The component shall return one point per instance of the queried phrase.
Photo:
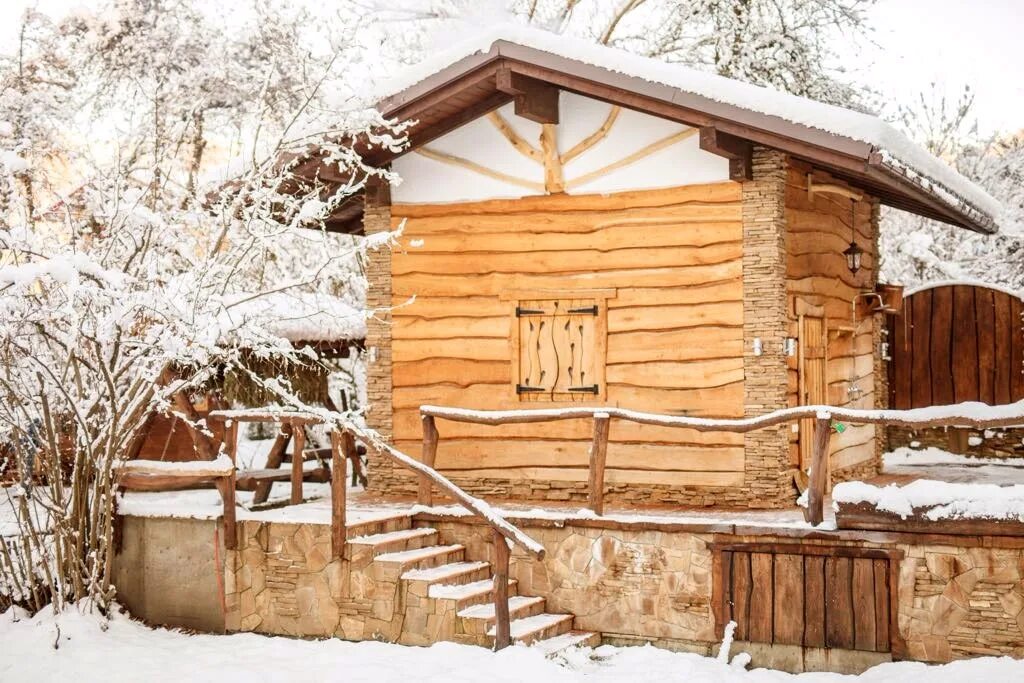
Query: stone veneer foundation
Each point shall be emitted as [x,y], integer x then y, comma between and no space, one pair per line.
[958,596]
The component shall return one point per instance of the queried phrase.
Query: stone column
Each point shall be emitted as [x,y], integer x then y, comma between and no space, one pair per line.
[377,219]
[768,481]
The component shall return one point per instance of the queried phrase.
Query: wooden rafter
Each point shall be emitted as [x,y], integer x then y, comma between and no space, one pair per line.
[650,149]
[460,162]
[535,100]
[594,138]
[517,141]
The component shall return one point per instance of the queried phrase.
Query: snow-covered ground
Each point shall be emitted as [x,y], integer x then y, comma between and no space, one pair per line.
[76,647]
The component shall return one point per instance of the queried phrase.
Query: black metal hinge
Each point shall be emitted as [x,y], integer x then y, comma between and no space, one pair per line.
[592,389]
[590,310]
[524,389]
[520,311]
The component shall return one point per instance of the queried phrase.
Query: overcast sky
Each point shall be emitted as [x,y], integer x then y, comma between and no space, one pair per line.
[950,42]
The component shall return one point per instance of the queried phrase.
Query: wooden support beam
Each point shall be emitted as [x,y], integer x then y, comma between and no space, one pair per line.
[514,139]
[815,513]
[341,446]
[598,452]
[502,625]
[274,459]
[297,462]
[736,150]
[534,99]
[554,182]
[228,487]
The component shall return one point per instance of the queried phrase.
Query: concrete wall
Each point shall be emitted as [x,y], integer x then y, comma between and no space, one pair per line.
[169,572]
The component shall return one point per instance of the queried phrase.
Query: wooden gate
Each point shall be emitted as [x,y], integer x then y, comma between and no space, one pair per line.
[808,595]
[957,343]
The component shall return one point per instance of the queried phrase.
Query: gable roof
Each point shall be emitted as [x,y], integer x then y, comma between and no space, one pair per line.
[461,83]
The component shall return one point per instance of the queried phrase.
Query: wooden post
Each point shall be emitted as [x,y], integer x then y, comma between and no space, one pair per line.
[430,437]
[598,453]
[228,490]
[340,450]
[819,470]
[297,463]
[502,626]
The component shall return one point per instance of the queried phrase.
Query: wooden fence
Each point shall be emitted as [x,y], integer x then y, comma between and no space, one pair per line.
[962,415]
[956,343]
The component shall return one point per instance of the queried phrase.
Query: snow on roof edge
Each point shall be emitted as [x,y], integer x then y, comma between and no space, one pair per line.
[951,185]
[1019,294]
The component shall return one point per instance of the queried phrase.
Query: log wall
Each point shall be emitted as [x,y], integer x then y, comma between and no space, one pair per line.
[818,231]
[674,344]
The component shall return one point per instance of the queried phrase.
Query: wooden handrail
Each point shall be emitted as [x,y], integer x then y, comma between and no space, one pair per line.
[978,415]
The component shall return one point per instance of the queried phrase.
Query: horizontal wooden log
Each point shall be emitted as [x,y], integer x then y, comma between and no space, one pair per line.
[289,416]
[613,476]
[865,516]
[248,480]
[165,482]
[221,467]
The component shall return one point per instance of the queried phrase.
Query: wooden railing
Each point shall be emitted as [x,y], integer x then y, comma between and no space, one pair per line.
[343,445]
[975,415]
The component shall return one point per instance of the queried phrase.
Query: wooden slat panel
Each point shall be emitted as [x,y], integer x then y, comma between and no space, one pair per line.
[788,593]
[984,326]
[762,603]
[921,340]
[814,601]
[864,618]
[839,629]
[901,355]
[882,607]
[941,346]
[1003,340]
[965,345]
[742,587]
[723,578]
[1017,352]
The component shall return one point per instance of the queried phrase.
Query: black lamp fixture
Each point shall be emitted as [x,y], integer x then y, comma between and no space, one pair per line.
[853,253]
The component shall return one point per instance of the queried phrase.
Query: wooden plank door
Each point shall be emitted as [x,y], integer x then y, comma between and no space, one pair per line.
[813,385]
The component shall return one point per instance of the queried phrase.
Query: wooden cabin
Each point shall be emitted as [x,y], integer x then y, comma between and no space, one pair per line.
[587,227]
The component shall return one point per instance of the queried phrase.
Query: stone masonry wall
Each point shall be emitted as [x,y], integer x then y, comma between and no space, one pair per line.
[377,219]
[768,480]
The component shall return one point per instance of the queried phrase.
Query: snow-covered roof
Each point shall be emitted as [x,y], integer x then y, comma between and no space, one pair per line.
[891,148]
[300,316]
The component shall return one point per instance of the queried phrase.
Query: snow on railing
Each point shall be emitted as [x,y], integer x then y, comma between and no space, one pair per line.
[978,415]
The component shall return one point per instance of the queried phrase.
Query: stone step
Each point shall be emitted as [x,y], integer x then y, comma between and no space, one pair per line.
[478,618]
[469,594]
[558,644]
[455,573]
[421,558]
[381,525]
[392,541]
[538,627]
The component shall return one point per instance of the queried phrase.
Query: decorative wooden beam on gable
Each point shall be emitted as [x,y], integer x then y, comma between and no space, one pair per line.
[535,100]
[736,150]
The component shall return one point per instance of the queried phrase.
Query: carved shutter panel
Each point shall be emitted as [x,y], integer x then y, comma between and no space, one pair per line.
[557,349]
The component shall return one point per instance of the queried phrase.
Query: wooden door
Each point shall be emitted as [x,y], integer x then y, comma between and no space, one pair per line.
[813,385]
[560,344]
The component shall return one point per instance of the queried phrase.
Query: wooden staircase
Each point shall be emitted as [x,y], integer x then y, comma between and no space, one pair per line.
[447,596]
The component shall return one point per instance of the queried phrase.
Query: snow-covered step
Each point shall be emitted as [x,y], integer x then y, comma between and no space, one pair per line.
[423,558]
[556,644]
[469,594]
[379,525]
[396,541]
[457,572]
[531,629]
[478,618]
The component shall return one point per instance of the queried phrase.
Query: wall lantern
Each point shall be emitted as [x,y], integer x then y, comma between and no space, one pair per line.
[853,256]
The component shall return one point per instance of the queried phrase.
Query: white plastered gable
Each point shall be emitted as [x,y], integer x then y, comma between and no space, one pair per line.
[478,162]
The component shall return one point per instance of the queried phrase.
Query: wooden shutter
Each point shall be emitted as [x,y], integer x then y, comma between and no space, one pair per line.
[559,349]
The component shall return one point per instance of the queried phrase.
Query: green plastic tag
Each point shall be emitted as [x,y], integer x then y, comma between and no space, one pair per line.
[840,427]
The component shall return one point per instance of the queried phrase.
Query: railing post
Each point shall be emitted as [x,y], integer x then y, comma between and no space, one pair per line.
[502,625]
[342,447]
[299,435]
[430,437]
[598,454]
[818,475]
[228,492]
